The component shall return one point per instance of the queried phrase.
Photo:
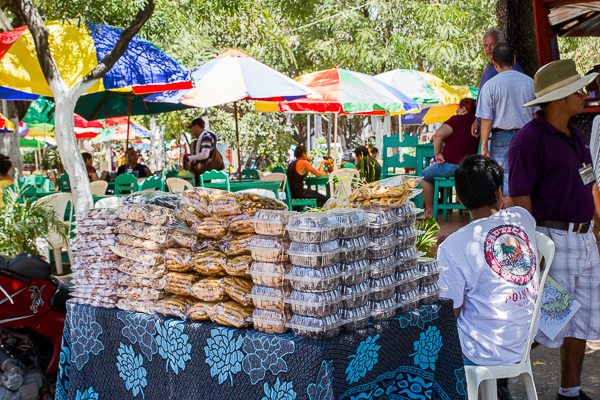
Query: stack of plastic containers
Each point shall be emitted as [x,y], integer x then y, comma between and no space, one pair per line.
[268,271]
[429,273]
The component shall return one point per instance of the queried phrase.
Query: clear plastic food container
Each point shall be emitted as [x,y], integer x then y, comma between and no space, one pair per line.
[408,300]
[407,280]
[269,298]
[315,255]
[355,272]
[407,258]
[430,293]
[355,318]
[382,247]
[429,270]
[407,214]
[315,304]
[382,288]
[382,220]
[271,222]
[355,295]
[270,321]
[316,328]
[269,248]
[353,222]
[314,279]
[269,274]
[382,309]
[313,227]
[383,267]
[407,236]
[354,249]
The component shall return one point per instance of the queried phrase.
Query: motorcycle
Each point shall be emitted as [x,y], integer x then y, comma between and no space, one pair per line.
[32,317]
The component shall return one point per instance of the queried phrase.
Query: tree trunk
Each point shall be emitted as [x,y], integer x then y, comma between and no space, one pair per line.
[515,19]
[9,144]
[64,127]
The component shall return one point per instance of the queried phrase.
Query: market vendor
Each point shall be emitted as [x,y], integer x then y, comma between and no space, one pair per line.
[132,165]
[91,171]
[297,171]
[369,168]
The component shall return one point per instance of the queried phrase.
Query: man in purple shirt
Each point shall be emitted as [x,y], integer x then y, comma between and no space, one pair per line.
[553,179]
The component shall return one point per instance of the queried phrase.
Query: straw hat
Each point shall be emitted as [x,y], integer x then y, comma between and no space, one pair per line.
[558,80]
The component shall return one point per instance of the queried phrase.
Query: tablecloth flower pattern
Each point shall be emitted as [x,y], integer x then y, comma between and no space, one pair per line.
[323,388]
[139,328]
[364,360]
[87,394]
[420,316]
[427,348]
[84,334]
[264,353]
[131,370]
[64,367]
[223,354]
[173,344]
[461,381]
[280,391]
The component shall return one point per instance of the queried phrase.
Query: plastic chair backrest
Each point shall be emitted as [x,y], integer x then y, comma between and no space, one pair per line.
[99,188]
[108,202]
[260,192]
[250,173]
[214,174]
[171,174]
[178,185]
[125,183]
[183,174]
[344,175]
[394,161]
[349,165]
[276,176]
[28,190]
[58,202]
[64,184]
[154,182]
[279,168]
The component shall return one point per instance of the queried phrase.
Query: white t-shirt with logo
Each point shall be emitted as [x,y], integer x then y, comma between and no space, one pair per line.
[493,276]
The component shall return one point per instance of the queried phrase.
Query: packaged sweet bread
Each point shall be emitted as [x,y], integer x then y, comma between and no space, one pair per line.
[97,213]
[174,306]
[210,263]
[97,274]
[93,281]
[183,239]
[143,306]
[189,215]
[157,233]
[146,244]
[179,260]
[240,224]
[96,302]
[209,289]
[139,293]
[236,245]
[139,281]
[178,283]
[96,229]
[270,321]
[238,289]
[86,242]
[244,203]
[143,256]
[199,311]
[98,260]
[200,198]
[232,314]
[135,268]
[211,227]
[153,215]
[92,263]
[95,290]
[237,266]
[154,198]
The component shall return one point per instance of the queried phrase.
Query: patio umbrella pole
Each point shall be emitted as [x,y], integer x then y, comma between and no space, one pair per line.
[128,122]
[334,140]
[329,135]
[237,138]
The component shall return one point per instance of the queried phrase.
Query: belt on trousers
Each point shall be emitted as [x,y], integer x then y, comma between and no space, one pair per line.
[505,130]
[564,226]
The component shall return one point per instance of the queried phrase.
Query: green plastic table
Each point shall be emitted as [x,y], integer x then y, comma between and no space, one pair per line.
[236,186]
[425,153]
[317,181]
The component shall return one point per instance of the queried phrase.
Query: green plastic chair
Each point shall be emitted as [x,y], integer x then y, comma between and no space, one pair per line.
[64,184]
[185,175]
[349,165]
[153,182]
[298,202]
[171,174]
[125,184]
[279,168]
[214,174]
[444,185]
[251,173]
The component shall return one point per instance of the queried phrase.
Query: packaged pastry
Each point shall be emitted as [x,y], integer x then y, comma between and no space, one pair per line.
[94,252]
[407,280]
[382,288]
[354,249]
[270,321]
[154,198]
[183,239]
[352,221]
[142,306]
[383,267]
[93,281]
[429,270]
[138,281]
[316,328]
[135,268]
[98,265]
[308,279]
[269,274]
[240,224]
[178,283]
[95,290]
[200,198]
[238,289]
[91,237]
[269,248]
[210,263]
[269,298]
[97,302]
[199,311]
[189,215]
[315,304]
[108,274]
[382,309]
[237,266]
[211,228]
[314,255]
[90,225]
[97,230]
[236,245]
[382,221]
[271,222]
[153,215]
[355,295]
[209,289]
[136,254]
[313,227]
[179,260]
[355,318]
[391,192]
[157,233]
[174,306]
[133,241]
[139,293]
[430,293]
[86,243]
[97,213]
[96,260]
[231,313]
[407,214]
[408,300]
[355,272]
[244,203]
[407,258]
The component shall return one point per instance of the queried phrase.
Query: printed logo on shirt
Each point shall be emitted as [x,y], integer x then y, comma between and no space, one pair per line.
[510,253]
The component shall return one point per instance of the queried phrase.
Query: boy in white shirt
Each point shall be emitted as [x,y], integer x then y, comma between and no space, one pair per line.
[493,275]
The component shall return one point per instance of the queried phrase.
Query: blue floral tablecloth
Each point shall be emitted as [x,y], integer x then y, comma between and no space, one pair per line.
[112,354]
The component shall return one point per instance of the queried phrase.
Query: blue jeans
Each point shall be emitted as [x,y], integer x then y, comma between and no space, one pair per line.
[445,170]
[499,152]
[466,361]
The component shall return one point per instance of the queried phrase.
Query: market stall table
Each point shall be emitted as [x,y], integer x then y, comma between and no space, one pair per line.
[317,181]
[236,186]
[113,354]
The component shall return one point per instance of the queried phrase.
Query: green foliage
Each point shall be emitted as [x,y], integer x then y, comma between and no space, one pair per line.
[22,221]
[585,51]
[427,240]
[51,160]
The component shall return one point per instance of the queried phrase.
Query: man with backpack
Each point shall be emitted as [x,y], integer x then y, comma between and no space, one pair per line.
[204,154]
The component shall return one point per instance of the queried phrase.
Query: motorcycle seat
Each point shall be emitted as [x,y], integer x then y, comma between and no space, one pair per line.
[59,298]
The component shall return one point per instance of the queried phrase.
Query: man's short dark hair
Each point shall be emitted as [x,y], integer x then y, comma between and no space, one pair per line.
[503,55]
[300,150]
[361,151]
[373,149]
[199,122]
[477,178]
[86,156]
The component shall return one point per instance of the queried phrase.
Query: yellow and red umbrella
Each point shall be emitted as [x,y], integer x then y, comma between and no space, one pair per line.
[6,126]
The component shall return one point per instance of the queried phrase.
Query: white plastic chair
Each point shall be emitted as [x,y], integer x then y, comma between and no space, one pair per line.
[58,202]
[108,202]
[260,192]
[178,184]
[345,176]
[99,188]
[276,176]
[486,375]
[595,144]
